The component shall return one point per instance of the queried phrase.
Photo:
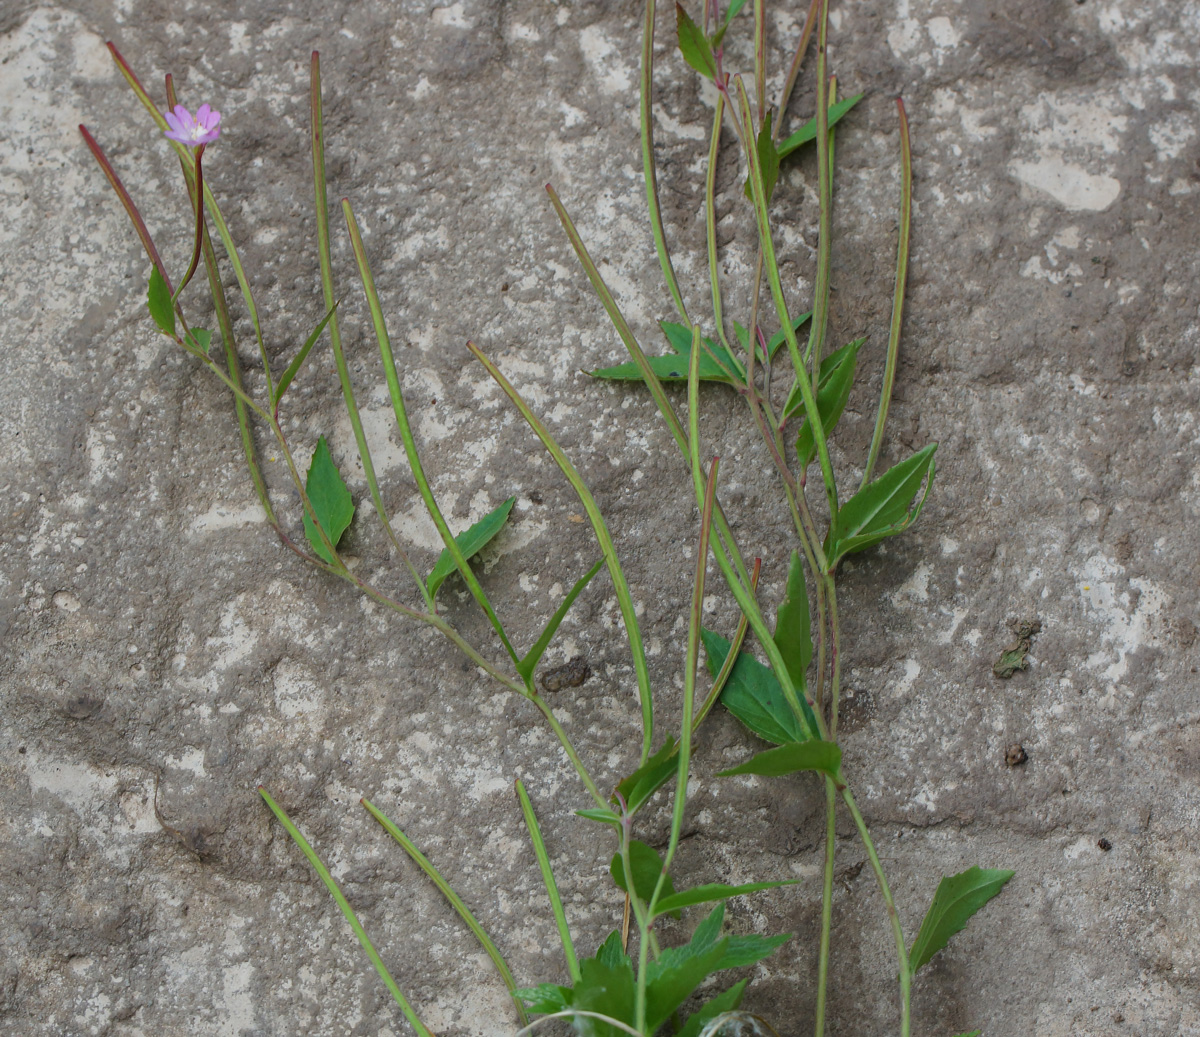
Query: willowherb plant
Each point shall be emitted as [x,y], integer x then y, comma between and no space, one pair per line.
[628,986]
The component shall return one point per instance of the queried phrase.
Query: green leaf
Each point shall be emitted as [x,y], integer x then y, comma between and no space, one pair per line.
[650,777]
[813,755]
[775,340]
[739,950]
[293,368]
[753,695]
[646,866]
[605,989]
[158,298]
[674,983]
[606,817]
[808,131]
[694,45]
[330,500]
[611,953]
[470,542]
[726,1002]
[973,1033]
[956,900]
[768,158]
[833,390]
[881,509]
[793,636]
[674,367]
[734,7]
[748,950]
[526,666]
[715,890]
[200,339]
[545,998]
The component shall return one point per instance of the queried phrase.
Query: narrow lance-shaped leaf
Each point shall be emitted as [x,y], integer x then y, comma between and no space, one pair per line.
[706,894]
[650,777]
[158,299]
[294,367]
[813,755]
[793,635]
[832,394]
[956,900]
[808,131]
[768,158]
[881,509]
[470,541]
[526,666]
[694,45]
[330,500]
[753,695]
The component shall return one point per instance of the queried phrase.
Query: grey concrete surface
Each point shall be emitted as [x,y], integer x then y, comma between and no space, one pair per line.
[153,626]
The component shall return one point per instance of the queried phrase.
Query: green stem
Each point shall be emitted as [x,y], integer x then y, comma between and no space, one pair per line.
[633,630]
[543,859]
[826,904]
[893,915]
[724,539]
[794,71]
[764,234]
[335,336]
[820,317]
[456,902]
[889,371]
[410,445]
[348,912]
[569,749]
[710,224]
[648,164]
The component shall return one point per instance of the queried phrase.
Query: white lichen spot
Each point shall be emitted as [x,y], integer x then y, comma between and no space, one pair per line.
[1069,184]
[605,61]
[1126,626]
[453,17]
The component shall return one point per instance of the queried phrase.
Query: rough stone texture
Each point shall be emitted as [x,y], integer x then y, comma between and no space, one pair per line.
[154,627]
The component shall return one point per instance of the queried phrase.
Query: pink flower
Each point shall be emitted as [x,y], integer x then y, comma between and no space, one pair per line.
[203,129]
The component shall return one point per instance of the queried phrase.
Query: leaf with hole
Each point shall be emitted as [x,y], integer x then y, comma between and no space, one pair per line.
[716,365]
[158,299]
[694,45]
[813,755]
[471,541]
[793,636]
[808,131]
[956,900]
[881,509]
[833,390]
[753,695]
[646,866]
[330,500]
